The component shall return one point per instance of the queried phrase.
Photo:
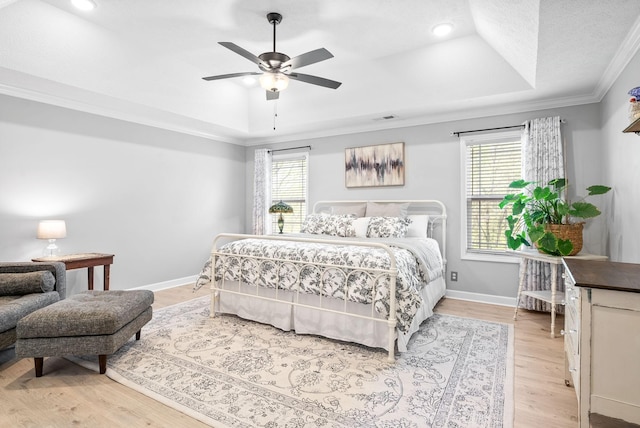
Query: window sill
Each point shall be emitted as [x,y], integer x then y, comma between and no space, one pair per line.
[494,258]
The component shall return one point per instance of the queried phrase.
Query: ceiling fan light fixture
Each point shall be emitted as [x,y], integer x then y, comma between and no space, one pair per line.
[85,5]
[274,82]
[276,67]
[443,29]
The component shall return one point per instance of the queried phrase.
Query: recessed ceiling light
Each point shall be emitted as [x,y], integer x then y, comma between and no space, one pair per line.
[442,30]
[84,4]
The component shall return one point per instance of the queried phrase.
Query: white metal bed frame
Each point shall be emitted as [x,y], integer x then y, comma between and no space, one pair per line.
[437,217]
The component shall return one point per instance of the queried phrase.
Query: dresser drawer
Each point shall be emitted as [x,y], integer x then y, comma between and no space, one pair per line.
[571,331]
[572,299]
[572,306]
[572,362]
[572,303]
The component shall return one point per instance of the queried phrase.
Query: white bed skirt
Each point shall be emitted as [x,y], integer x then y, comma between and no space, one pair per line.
[304,320]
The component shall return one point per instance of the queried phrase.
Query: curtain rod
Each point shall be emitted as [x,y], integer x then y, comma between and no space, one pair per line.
[457,133]
[290,148]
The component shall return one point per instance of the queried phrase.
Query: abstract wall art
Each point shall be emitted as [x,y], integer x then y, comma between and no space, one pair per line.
[371,166]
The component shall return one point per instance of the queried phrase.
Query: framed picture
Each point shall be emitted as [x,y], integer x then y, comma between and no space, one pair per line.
[371,166]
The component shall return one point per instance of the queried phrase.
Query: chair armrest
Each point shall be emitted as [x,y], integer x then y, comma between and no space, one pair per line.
[56,268]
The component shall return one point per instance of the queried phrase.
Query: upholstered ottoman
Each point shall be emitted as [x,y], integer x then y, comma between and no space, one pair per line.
[89,323]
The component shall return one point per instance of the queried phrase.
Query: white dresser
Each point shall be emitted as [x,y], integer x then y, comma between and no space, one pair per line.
[602,338]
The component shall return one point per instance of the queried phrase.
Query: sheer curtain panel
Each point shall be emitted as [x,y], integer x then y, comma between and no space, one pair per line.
[261,190]
[543,160]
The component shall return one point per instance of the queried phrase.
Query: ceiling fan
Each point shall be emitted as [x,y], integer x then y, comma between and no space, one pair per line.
[277,68]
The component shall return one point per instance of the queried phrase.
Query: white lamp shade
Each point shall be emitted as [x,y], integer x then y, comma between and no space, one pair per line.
[274,82]
[52,229]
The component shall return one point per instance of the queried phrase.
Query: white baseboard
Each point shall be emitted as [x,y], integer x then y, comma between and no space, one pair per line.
[481,298]
[451,294]
[168,284]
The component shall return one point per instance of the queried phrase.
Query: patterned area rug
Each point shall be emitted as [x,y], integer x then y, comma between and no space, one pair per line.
[228,372]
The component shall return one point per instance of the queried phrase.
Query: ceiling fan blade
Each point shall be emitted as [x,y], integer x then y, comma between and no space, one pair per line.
[228,76]
[272,95]
[307,58]
[315,80]
[245,53]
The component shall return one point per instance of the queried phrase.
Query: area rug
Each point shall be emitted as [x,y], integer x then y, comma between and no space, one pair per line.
[229,372]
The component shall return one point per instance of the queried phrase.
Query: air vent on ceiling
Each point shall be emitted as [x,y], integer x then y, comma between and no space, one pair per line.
[387,117]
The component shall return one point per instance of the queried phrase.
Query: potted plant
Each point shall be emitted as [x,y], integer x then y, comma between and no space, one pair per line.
[540,215]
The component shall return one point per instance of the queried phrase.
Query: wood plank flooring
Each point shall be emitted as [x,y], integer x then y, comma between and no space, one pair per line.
[69,395]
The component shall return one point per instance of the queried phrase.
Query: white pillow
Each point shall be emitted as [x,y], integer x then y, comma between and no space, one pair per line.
[360,226]
[418,226]
[375,209]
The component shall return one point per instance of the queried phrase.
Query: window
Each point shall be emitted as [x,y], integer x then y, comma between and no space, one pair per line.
[490,163]
[289,185]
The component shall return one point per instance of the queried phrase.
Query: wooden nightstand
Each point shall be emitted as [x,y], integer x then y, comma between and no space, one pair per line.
[84,260]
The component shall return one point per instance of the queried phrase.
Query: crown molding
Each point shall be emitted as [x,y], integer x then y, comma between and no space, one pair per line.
[144,116]
[628,48]
[169,120]
[429,118]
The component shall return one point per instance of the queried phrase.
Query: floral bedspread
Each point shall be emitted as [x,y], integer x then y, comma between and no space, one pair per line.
[418,261]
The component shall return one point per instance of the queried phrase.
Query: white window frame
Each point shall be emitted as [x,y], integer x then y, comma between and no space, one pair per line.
[279,157]
[466,141]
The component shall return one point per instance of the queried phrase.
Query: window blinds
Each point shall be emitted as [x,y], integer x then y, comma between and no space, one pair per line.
[289,185]
[490,167]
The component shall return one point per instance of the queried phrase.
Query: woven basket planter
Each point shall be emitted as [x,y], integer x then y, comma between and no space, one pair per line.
[571,232]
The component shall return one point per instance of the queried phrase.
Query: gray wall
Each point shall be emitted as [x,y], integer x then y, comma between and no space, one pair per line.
[433,172]
[156,198]
[153,198]
[621,163]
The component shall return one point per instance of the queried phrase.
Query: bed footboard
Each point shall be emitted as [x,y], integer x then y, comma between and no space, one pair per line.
[220,284]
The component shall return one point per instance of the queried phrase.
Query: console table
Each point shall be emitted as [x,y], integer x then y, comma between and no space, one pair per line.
[84,260]
[549,296]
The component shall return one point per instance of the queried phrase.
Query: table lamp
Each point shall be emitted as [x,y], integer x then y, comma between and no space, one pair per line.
[52,230]
[280,208]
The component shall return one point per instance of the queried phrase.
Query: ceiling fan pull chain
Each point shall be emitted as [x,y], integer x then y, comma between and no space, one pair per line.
[275,114]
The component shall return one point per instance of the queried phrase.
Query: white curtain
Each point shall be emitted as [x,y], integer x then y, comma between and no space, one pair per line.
[543,160]
[261,191]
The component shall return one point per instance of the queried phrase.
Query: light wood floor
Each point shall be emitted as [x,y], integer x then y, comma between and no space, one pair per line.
[69,395]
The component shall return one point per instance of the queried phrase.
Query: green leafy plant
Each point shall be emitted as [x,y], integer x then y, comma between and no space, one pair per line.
[535,207]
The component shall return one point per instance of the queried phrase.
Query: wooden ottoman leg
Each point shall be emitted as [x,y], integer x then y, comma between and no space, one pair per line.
[102,360]
[39,362]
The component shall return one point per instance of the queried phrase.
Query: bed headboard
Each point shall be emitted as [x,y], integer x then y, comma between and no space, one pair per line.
[437,212]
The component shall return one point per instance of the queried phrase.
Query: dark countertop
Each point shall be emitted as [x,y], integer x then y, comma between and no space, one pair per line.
[604,274]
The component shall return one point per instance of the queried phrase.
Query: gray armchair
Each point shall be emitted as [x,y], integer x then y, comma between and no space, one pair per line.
[20,295]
